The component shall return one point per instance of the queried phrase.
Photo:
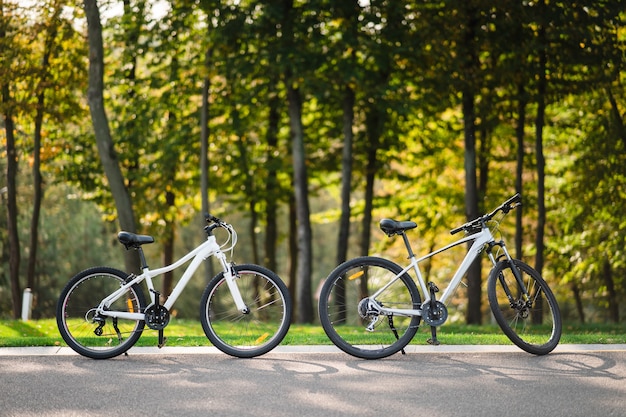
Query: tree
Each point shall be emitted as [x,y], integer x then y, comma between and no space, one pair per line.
[106,149]
[468,56]
[8,107]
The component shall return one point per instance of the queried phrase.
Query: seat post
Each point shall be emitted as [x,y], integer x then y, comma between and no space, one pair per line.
[407,244]
[142,258]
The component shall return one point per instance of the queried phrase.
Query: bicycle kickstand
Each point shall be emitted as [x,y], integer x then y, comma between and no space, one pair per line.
[433,329]
[395,332]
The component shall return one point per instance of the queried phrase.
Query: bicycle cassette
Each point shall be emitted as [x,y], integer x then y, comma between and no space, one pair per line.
[434,316]
[157,317]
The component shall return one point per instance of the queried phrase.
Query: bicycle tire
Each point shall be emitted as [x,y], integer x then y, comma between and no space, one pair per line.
[246,335]
[537,329]
[349,284]
[75,319]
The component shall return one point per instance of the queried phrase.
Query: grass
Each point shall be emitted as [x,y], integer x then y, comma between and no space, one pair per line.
[17,333]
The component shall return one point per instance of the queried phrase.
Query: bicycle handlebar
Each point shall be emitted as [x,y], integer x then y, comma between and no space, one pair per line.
[212,223]
[476,224]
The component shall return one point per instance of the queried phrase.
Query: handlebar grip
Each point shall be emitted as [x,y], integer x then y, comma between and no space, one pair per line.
[210,218]
[456,230]
[517,198]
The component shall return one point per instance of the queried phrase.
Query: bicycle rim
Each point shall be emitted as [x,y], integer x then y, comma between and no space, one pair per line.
[535,329]
[256,332]
[75,314]
[342,315]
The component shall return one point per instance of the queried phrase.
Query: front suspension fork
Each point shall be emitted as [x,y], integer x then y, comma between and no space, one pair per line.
[516,273]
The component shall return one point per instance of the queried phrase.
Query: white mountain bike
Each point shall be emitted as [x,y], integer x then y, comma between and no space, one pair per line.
[370,307]
[245,310]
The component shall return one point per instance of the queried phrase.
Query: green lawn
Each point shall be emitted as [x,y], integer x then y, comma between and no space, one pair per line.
[189,333]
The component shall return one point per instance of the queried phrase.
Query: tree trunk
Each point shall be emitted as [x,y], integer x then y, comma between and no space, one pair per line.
[539,122]
[470,67]
[272,188]
[106,150]
[304,299]
[519,171]
[11,175]
[204,144]
[11,188]
[248,181]
[373,125]
[168,248]
[579,302]
[346,174]
[304,235]
[293,254]
[37,179]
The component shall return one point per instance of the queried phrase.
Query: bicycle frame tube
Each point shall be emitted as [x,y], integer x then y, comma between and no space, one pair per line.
[479,240]
[199,254]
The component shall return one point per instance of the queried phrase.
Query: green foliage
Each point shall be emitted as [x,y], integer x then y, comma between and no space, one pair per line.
[401,59]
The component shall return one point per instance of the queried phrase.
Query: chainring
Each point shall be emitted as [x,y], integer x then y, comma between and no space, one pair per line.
[157,317]
[434,316]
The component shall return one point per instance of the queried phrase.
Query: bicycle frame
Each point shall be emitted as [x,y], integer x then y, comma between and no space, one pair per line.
[208,248]
[480,239]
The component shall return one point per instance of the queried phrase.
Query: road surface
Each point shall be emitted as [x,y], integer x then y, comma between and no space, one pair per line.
[445,382]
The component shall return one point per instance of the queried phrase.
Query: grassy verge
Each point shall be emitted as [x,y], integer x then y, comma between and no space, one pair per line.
[16,333]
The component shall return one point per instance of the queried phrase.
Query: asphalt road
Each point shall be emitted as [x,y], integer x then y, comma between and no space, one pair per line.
[455,382]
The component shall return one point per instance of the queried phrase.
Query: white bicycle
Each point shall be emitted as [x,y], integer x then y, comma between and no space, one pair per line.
[370,307]
[245,310]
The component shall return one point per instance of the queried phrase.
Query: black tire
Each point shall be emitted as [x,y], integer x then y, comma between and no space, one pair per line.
[535,329]
[256,332]
[75,318]
[349,284]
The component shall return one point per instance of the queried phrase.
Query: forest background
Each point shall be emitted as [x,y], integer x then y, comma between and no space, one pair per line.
[303,123]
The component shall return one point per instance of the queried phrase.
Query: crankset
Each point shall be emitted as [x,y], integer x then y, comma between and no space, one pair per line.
[157,317]
[434,313]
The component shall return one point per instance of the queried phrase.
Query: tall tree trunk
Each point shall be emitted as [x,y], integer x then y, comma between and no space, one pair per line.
[204,143]
[470,68]
[104,141]
[300,179]
[11,175]
[346,174]
[11,190]
[51,33]
[519,170]
[304,299]
[272,188]
[346,185]
[539,122]
[248,181]
[373,126]
[293,253]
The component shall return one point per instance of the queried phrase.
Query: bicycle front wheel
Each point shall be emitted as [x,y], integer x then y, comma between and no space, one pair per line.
[99,337]
[262,327]
[361,331]
[534,325]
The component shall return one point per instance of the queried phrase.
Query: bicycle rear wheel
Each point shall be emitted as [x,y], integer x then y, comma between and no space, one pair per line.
[534,326]
[262,328]
[98,337]
[345,317]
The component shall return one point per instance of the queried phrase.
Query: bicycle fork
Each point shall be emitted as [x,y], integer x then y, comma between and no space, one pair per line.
[230,275]
[516,273]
